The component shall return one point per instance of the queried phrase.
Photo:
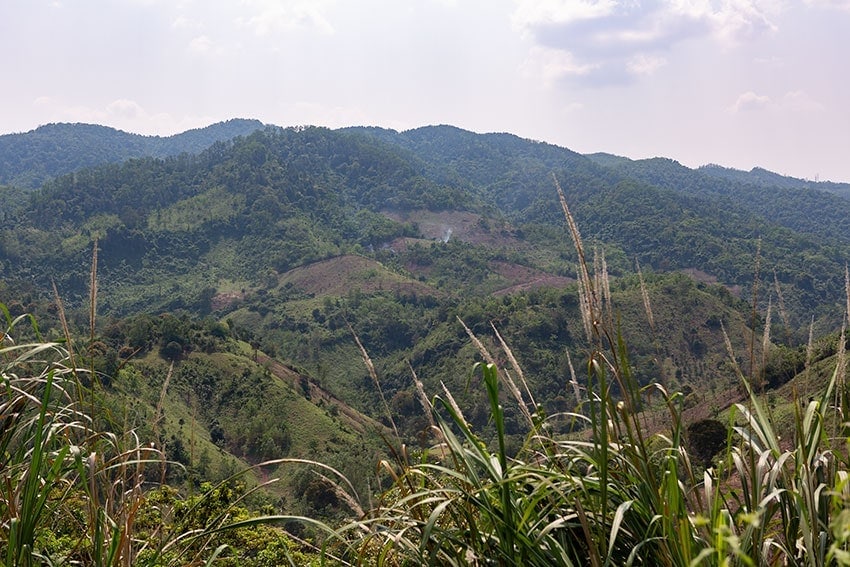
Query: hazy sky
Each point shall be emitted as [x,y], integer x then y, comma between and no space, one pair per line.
[735,82]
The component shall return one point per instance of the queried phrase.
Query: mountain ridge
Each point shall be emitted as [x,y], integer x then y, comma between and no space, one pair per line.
[285,197]
[132,145]
[29,159]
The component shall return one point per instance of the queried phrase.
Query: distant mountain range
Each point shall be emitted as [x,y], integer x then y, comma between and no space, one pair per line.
[29,159]
[341,184]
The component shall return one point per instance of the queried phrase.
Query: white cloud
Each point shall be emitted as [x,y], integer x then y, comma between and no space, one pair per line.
[839,4]
[531,13]
[43,101]
[744,20]
[274,16]
[553,65]
[328,115]
[182,22]
[201,44]
[124,114]
[750,101]
[800,101]
[628,38]
[125,109]
[792,102]
[645,64]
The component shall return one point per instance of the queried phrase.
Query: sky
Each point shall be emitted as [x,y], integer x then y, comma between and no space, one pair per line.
[739,83]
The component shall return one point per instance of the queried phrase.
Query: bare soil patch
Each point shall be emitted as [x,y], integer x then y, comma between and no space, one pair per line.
[225,300]
[523,278]
[704,277]
[337,276]
[465,226]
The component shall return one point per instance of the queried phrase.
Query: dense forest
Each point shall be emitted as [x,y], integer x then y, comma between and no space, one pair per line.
[245,293]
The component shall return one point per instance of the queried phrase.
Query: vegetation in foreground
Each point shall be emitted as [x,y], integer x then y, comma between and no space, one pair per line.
[76,490]
[616,491]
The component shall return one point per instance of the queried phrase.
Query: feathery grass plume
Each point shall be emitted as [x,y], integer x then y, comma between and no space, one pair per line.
[342,495]
[600,267]
[514,364]
[841,367]
[590,301]
[810,352]
[452,403]
[63,322]
[573,381]
[423,398]
[731,351]
[506,378]
[586,311]
[42,430]
[782,312]
[845,401]
[509,382]
[621,494]
[754,313]
[847,289]
[485,354]
[374,374]
[647,306]
[66,484]
[765,341]
[93,293]
[600,318]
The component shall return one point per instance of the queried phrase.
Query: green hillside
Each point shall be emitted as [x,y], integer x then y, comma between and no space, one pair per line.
[29,159]
[297,233]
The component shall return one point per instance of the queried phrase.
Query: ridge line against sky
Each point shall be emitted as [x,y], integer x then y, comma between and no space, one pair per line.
[741,83]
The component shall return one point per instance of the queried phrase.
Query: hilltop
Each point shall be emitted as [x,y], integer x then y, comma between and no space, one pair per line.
[29,159]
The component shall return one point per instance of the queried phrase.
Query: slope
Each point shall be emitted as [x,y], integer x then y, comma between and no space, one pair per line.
[217,405]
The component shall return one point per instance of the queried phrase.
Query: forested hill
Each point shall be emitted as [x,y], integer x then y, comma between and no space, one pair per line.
[280,198]
[812,210]
[287,239]
[300,293]
[761,176]
[29,159]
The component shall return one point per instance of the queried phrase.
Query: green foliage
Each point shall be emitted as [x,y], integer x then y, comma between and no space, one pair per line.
[29,159]
[282,198]
[285,241]
[74,492]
